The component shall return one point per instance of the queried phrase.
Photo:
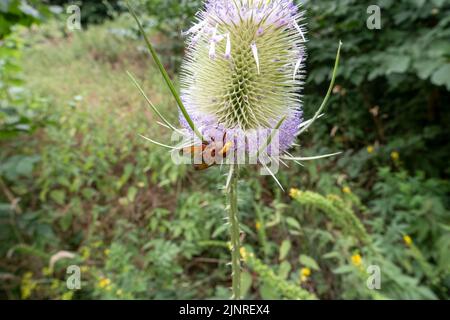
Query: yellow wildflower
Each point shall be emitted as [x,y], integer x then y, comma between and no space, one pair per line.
[395,156]
[103,283]
[244,253]
[294,193]
[107,252]
[346,190]
[408,240]
[258,225]
[304,274]
[370,149]
[356,260]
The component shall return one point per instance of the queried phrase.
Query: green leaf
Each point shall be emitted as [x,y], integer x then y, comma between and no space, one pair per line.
[221,229]
[88,193]
[127,172]
[309,262]
[26,165]
[293,223]
[331,255]
[284,249]
[442,76]
[131,194]
[246,283]
[267,292]
[426,68]
[66,221]
[284,269]
[59,196]
[344,269]
[397,64]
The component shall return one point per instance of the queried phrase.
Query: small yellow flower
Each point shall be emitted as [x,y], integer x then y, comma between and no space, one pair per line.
[103,283]
[85,253]
[370,149]
[243,253]
[294,193]
[304,274]
[84,269]
[356,260]
[408,240]
[346,190]
[107,252]
[258,225]
[395,156]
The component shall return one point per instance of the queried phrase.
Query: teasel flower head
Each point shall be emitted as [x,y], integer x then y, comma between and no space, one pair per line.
[243,70]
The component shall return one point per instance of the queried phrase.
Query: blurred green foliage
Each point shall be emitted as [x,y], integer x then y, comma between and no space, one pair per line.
[21,12]
[75,177]
[394,82]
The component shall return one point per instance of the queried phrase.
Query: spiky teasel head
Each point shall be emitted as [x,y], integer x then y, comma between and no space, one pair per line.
[242,69]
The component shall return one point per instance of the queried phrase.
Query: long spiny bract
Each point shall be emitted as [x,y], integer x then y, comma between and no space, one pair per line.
[165,75]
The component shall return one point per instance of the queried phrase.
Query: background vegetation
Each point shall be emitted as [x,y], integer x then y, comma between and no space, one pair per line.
[79,187]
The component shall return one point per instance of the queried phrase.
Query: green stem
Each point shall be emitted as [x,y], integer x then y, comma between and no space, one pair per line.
[234,235]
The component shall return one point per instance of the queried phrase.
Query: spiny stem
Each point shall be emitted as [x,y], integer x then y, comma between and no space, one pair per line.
[234,234]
